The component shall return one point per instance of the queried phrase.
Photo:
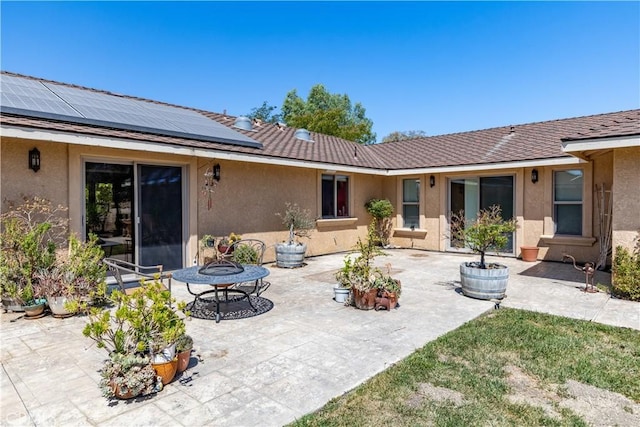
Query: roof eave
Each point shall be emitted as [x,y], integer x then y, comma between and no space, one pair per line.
[583,148]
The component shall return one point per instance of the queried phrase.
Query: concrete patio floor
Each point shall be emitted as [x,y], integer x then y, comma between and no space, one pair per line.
[270,369]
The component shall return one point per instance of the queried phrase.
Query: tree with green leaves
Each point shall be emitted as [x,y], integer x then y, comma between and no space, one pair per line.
[327,113]
[402,135]
[265,113]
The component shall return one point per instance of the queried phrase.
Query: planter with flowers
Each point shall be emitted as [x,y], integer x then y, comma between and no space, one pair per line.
[225,244]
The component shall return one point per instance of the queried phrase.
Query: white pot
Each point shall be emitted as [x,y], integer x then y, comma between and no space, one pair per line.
[167,354]
[341,294]
[56,305]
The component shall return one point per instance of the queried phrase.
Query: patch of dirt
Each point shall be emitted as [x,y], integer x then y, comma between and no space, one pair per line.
[434,393]
[596,406]
[601,407]
[526,390]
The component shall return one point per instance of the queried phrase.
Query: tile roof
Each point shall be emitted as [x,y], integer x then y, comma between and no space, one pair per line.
[622,125]
[533,141]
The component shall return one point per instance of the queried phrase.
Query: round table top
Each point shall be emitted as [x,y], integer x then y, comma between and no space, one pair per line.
[192,276]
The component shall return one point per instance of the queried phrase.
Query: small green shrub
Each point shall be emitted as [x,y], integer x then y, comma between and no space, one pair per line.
[245,254]
[381,210]
[626,273]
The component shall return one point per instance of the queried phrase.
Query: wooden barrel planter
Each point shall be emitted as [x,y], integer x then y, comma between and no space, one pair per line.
[487,284]
[290,256]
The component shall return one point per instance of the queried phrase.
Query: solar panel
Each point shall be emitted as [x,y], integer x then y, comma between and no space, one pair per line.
[34,98]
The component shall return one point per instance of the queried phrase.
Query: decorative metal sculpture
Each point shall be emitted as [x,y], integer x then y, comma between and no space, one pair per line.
[589,273]
[209,186]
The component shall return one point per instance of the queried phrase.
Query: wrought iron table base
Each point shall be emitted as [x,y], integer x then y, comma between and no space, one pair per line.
[219,288]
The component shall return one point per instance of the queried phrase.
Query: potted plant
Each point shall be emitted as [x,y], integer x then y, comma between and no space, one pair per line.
[225,244]
[125,376]
[300,224]
[359,272]
[344,277]
[488,231]
[245,254]
[31,232]
[389,288]
[381,210]
[208,241]
[184,344]
[142,323]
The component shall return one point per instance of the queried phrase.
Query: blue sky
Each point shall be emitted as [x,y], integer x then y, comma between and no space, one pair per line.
[439,67]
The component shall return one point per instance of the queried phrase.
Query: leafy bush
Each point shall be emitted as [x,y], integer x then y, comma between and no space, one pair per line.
[488,231]
[381,210]
[297,220]
[626,273]
[358,272]
[245,254]
[31,232]
[142,322]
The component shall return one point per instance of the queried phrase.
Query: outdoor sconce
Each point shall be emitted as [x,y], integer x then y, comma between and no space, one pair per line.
[432,181]
[534,176]
[216,172]
[34,160]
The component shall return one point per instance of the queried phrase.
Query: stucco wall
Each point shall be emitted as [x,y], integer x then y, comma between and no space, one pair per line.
[626,196]
[18,181]
[248,197]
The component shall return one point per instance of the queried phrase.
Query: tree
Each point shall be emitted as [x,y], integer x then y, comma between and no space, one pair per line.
[265,113]
[327,113]
[402,135]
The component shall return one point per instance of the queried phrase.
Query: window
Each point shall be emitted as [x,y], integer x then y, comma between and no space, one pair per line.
[567,202]
[335,196]
[411,203]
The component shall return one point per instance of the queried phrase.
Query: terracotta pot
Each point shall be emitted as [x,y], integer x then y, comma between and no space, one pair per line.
[183,360]
[119,394]
[365,300]
[529,253]
[166,370]
[34,310]
[224,248]
[393,299]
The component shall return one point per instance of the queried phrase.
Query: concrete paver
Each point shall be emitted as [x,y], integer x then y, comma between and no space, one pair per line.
[276,367]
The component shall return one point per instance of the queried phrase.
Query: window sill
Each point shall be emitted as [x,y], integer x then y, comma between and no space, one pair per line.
[567,240]
[335,222]
[407,232]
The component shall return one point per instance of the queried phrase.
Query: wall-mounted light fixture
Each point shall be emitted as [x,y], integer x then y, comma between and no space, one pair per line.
[34,160]
[216,172]
[432,181]
[534,176]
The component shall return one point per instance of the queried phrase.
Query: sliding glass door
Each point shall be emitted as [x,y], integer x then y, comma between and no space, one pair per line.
[136,211]
[109,207]
[160,219]
[471,195]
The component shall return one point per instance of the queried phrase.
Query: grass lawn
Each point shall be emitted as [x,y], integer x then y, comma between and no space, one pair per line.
[508,367]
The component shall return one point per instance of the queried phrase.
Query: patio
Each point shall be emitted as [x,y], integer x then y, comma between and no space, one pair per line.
[275,367]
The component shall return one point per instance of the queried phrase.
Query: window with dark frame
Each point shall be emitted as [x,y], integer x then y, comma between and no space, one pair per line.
[567,201]
[335,196]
